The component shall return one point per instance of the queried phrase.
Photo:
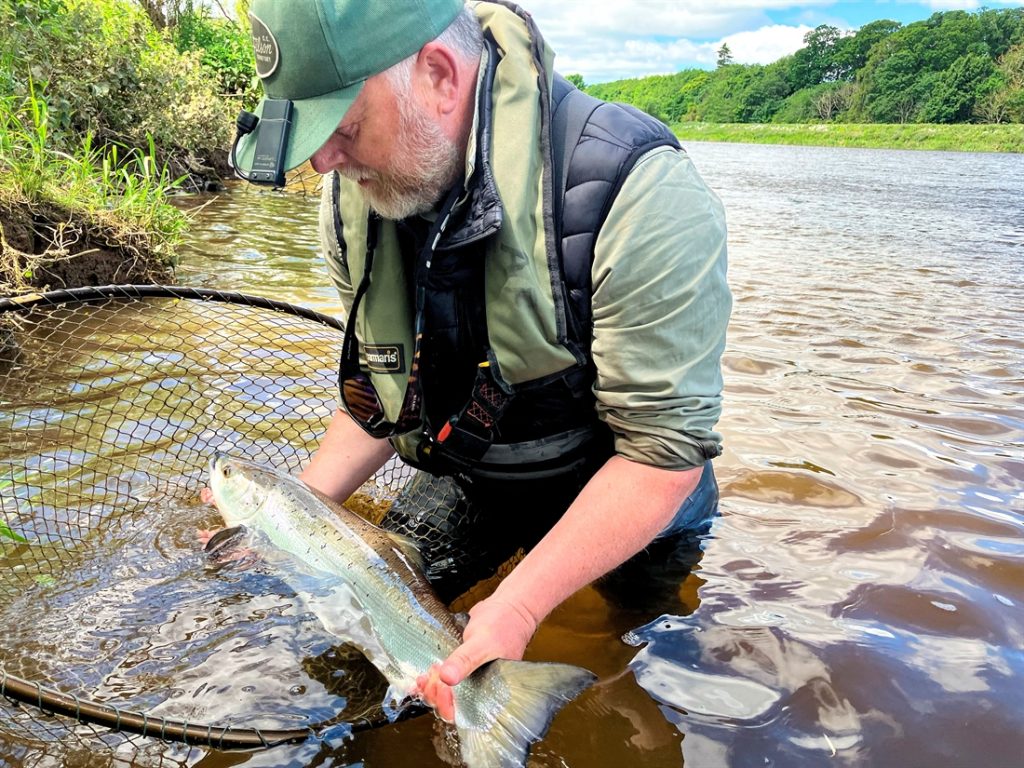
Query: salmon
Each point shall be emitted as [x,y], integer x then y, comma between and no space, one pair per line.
[387,609]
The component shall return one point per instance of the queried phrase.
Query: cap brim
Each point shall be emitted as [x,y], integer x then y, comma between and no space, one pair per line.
[313,122]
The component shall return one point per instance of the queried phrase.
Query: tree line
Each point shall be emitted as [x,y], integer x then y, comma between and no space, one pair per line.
[953,67]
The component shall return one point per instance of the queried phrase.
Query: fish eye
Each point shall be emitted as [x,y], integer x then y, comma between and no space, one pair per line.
[226,471]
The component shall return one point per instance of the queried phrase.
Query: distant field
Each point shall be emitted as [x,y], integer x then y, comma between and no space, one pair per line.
[958,138]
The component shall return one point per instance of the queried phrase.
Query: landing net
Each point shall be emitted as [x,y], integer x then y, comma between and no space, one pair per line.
[117,635]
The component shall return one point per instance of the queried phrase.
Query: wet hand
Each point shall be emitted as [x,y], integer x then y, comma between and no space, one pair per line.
[205,534]
[497,629]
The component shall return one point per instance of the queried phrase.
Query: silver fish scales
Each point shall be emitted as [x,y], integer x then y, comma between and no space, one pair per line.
[389,611]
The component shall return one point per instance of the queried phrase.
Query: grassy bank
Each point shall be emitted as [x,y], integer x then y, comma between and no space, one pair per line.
[958,138]
[98,99]
[83,217]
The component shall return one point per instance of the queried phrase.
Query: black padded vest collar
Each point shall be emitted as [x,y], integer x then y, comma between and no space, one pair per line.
[482,213]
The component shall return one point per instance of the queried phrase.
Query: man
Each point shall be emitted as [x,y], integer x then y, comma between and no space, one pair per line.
[575,411]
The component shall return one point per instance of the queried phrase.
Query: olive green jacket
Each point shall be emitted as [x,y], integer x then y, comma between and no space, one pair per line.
[660,299]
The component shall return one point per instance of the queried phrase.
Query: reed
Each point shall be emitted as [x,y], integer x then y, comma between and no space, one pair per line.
[125,189]
[6,532]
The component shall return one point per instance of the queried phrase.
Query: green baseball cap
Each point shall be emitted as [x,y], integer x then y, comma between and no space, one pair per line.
[318,54]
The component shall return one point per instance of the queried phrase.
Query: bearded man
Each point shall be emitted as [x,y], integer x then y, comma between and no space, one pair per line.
[536,301]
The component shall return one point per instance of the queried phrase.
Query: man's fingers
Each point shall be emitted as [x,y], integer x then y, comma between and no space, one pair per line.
[464,660]
[436,694]
[206,496]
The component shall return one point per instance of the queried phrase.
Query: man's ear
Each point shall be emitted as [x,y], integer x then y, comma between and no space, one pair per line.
[439,77]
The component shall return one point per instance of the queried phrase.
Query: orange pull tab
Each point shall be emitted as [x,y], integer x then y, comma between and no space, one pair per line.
[445,431]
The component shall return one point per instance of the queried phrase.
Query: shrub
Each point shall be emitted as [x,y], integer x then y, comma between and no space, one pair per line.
[225,50]
[106,71]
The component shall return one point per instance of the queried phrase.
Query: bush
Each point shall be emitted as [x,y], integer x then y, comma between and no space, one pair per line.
[225,50]
[104,70]
[800,107]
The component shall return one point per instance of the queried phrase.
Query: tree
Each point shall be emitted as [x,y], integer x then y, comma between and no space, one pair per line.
[167,13]
[1001,29]
[995,106]
[765,93]
[576,80]
[724,55]
[818,61]
[1011,65]
[1002,94]
[854,50]
[833,99]
[957,90]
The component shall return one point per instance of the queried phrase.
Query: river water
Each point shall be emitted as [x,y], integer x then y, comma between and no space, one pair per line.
[860,600]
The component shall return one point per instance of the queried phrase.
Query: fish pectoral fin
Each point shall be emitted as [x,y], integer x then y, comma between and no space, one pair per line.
[222,538]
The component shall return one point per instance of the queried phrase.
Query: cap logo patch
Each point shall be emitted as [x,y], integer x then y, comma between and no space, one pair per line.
[265,46]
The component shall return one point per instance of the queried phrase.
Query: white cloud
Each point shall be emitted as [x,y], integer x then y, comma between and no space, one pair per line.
[767,44]
[605,58]
[607,40]
[611,40]
[692,19]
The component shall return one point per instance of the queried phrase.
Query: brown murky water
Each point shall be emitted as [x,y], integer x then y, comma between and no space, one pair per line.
[859,600]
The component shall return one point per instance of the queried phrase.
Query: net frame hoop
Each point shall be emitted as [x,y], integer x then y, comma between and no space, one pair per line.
[49,700]
[54,702]
[28,301]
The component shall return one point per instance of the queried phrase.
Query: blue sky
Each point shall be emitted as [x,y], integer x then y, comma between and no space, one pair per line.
[608,40]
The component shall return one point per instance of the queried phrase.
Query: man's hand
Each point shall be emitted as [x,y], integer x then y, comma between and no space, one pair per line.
[602,528]
[496,630]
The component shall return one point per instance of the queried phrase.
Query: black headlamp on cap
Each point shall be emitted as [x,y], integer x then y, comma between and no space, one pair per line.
[313,57]
[271,141]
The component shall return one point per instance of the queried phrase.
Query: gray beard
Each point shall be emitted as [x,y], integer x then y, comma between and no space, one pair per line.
[424,166]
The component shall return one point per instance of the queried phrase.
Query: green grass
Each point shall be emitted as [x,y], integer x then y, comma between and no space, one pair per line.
[123,190]
[6,532]
[958,138]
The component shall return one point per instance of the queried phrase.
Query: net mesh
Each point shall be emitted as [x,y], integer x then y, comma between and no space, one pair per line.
[111,404]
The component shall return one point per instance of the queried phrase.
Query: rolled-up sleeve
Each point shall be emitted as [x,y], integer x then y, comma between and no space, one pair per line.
[661,306]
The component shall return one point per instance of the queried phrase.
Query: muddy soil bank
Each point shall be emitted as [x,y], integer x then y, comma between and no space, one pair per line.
[43,246]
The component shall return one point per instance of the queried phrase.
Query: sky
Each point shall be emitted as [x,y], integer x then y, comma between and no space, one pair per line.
[609,40]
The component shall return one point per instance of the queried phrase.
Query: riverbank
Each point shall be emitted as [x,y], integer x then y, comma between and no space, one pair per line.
[89,157]
[84,217]
[954,138]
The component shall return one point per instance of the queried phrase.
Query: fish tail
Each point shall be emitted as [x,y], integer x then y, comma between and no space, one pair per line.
[499,719]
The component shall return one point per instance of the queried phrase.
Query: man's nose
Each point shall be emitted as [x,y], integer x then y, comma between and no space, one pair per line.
[330,155]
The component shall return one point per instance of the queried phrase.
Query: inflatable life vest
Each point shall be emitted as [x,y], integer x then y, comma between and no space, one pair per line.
[506,374]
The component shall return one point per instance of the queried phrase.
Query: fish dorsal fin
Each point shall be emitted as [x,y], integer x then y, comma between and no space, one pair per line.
[409,549]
